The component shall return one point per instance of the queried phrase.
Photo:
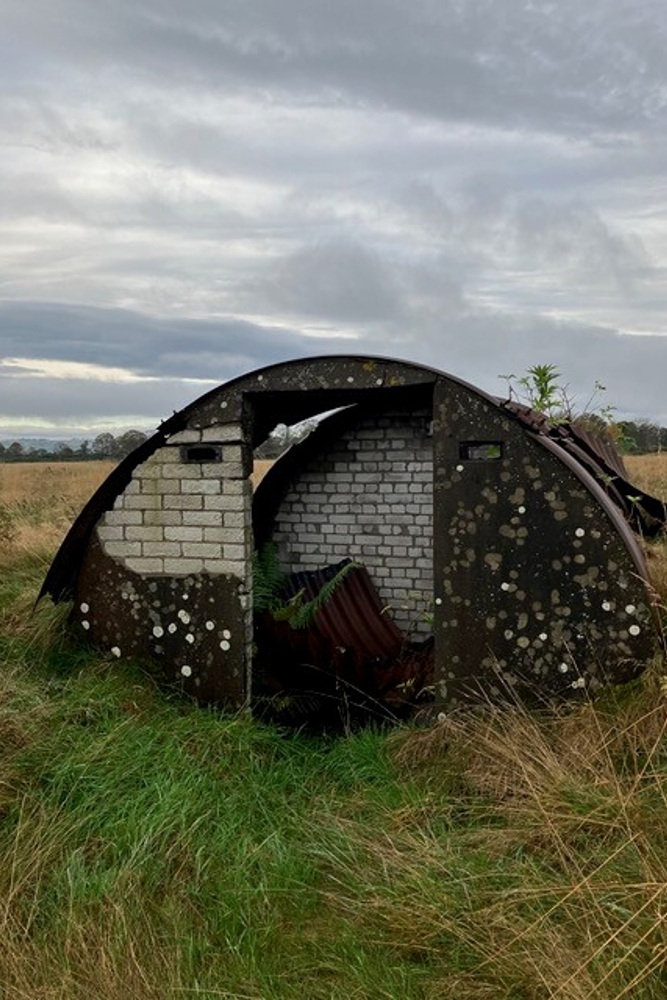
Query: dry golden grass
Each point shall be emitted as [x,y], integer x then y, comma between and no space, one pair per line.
[73,481]
[649,472]
[39,501]
[577,796]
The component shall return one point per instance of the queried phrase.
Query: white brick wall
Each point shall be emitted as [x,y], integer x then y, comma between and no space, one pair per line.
[181,518]
[371,498]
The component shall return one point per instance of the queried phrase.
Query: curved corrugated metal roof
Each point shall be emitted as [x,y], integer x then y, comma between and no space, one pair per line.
[306,400]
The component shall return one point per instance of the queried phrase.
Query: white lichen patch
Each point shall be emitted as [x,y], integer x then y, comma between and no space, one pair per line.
[171,628]
[158,631]
[85,624]
[186,670]
[543,636]
[563,667]
[209,626]
[226,634]
[224,645]
[115,651]
[580,532]
[630,609]
[606,605]
[84,608]
[634,630]
[190,638]
[184,616]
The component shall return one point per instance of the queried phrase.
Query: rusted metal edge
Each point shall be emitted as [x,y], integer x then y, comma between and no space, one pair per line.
[646,514]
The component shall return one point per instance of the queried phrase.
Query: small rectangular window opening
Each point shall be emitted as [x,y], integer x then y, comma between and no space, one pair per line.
[481,451]
[192,454]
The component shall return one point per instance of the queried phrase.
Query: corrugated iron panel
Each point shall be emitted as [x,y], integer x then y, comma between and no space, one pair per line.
[352,658]
[600,449]
[646,514]
[352,618]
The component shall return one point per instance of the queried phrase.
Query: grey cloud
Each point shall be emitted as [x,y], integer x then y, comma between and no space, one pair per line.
[334,281]
[477,347]
[79,402]
[186,192]
[573,66]
[482,348]
[187,348]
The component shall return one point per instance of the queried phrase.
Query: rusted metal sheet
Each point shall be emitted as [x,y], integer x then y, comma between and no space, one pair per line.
[353,616]
[351,657]
[645,513]
[599,447]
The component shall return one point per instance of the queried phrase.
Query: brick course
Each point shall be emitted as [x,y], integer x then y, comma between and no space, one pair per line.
[371,498]
[177,517]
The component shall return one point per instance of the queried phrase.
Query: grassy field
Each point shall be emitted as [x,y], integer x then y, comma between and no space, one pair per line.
[150,850]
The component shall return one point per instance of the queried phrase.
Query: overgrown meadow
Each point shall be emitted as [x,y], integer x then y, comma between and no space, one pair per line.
[151,850]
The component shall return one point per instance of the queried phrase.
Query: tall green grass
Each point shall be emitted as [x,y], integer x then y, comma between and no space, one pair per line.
[152,849]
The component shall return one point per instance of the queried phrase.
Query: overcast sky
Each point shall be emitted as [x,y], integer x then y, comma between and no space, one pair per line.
[192,190]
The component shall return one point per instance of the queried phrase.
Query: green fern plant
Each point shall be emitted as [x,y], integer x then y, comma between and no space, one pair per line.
[268,579]
[269,585]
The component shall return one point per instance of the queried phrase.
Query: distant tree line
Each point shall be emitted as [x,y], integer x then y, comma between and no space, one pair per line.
[640,437]
[636,437]
[103,446]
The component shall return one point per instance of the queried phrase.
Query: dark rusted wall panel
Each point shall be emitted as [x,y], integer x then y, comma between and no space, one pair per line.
[538,588]
[193,628]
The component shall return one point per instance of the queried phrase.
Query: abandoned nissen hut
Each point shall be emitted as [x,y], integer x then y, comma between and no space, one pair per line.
[436,523]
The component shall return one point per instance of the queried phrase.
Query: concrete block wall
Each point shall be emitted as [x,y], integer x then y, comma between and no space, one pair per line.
[176,518]
[370,497]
